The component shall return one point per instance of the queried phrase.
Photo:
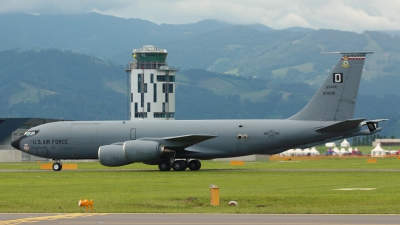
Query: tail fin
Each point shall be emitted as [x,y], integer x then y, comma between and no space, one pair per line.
[335,100]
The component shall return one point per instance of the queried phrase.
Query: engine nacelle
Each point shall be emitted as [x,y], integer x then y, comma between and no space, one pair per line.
[112,155]
[142,151]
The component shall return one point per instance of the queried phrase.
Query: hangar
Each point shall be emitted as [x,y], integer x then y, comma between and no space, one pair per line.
[12,128]
[386,142]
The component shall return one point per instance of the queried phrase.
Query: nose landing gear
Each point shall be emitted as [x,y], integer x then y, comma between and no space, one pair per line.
[57,166]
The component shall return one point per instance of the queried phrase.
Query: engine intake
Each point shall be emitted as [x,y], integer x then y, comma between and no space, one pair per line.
[112,155]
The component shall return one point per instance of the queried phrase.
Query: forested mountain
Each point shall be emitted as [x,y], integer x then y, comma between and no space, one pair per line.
[290,55]
[61,84]
[54,84]
[227,71]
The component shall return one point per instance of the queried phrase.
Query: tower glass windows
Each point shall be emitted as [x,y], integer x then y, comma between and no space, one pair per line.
[169,87]
[155,93]
[162,78]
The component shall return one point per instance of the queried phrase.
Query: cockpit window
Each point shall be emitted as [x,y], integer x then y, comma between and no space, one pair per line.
[31,133]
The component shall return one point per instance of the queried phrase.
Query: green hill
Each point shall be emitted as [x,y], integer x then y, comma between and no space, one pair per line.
[290,55]
[54,84]
[61,84]
[227,71]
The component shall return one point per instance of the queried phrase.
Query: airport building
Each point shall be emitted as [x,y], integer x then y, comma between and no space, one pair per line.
[386,142]
[151,84]
[151,95]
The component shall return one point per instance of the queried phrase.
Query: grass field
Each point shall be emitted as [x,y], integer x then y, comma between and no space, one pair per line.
[275,186]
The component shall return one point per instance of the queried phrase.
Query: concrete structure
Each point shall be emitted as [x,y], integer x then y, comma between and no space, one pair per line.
[151,84]
[12,128]
[386,142]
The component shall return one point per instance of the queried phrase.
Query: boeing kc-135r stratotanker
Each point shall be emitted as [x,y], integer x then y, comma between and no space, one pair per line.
[179,144]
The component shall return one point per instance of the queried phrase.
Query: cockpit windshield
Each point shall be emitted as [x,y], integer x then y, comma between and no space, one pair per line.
[31,133]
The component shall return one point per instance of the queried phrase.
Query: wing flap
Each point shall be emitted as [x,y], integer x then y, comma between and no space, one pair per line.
[341,126]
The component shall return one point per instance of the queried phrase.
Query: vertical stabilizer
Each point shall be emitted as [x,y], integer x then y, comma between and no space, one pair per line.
[335,100]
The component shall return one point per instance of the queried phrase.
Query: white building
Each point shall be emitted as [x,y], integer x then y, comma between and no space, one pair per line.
[378,151]
[151,85]
[330,145]
[345,144]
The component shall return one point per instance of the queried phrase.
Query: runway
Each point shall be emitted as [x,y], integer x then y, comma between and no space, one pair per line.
[195,219]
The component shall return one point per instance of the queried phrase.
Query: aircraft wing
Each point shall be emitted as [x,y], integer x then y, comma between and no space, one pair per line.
[183,141]
[341,126]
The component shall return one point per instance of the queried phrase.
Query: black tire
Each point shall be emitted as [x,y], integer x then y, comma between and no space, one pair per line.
[194,164]
[164,166]
[57,166]
[179,165]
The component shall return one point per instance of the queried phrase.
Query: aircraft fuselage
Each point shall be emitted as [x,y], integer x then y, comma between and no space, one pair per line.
[329,116]
[81,140]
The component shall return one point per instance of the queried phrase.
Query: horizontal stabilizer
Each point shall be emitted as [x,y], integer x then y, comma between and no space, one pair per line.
[372,124]
[183,141]
[341,126]
[373,121]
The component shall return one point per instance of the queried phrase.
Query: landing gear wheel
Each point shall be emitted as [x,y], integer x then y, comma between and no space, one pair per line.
[164,166]
[194,164]
[57,166]
[179,165]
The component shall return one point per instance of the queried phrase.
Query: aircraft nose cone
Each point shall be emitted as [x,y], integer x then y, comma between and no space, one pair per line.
[15,143]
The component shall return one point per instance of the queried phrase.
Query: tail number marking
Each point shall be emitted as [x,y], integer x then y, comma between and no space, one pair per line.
[338,78]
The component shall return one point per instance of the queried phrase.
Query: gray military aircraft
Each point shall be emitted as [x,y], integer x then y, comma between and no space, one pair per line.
[179,144]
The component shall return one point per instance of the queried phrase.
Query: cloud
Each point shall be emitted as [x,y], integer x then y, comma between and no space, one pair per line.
[342,16]
[355,15]
[292,20]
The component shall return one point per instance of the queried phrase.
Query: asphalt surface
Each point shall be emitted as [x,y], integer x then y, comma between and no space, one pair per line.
[194,219]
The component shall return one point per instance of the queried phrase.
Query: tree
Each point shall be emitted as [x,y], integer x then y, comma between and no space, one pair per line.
[363,143]
[354,142]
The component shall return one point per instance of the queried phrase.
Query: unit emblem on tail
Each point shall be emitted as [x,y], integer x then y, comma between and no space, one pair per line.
[345,63]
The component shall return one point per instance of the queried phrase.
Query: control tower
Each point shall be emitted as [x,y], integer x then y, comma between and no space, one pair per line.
[151,85]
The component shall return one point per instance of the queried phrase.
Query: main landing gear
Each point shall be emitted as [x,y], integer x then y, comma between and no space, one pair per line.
[57,166]
[180,165]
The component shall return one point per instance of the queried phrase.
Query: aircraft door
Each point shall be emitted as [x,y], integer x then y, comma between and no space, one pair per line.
[133,134]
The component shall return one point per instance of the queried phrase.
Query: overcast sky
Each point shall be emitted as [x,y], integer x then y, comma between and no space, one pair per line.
[349,15]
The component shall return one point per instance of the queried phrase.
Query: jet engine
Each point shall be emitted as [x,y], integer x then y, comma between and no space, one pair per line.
[112,155]
[130,152]
[142,151]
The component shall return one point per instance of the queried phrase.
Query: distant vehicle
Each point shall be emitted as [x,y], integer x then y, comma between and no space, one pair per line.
[180,144]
